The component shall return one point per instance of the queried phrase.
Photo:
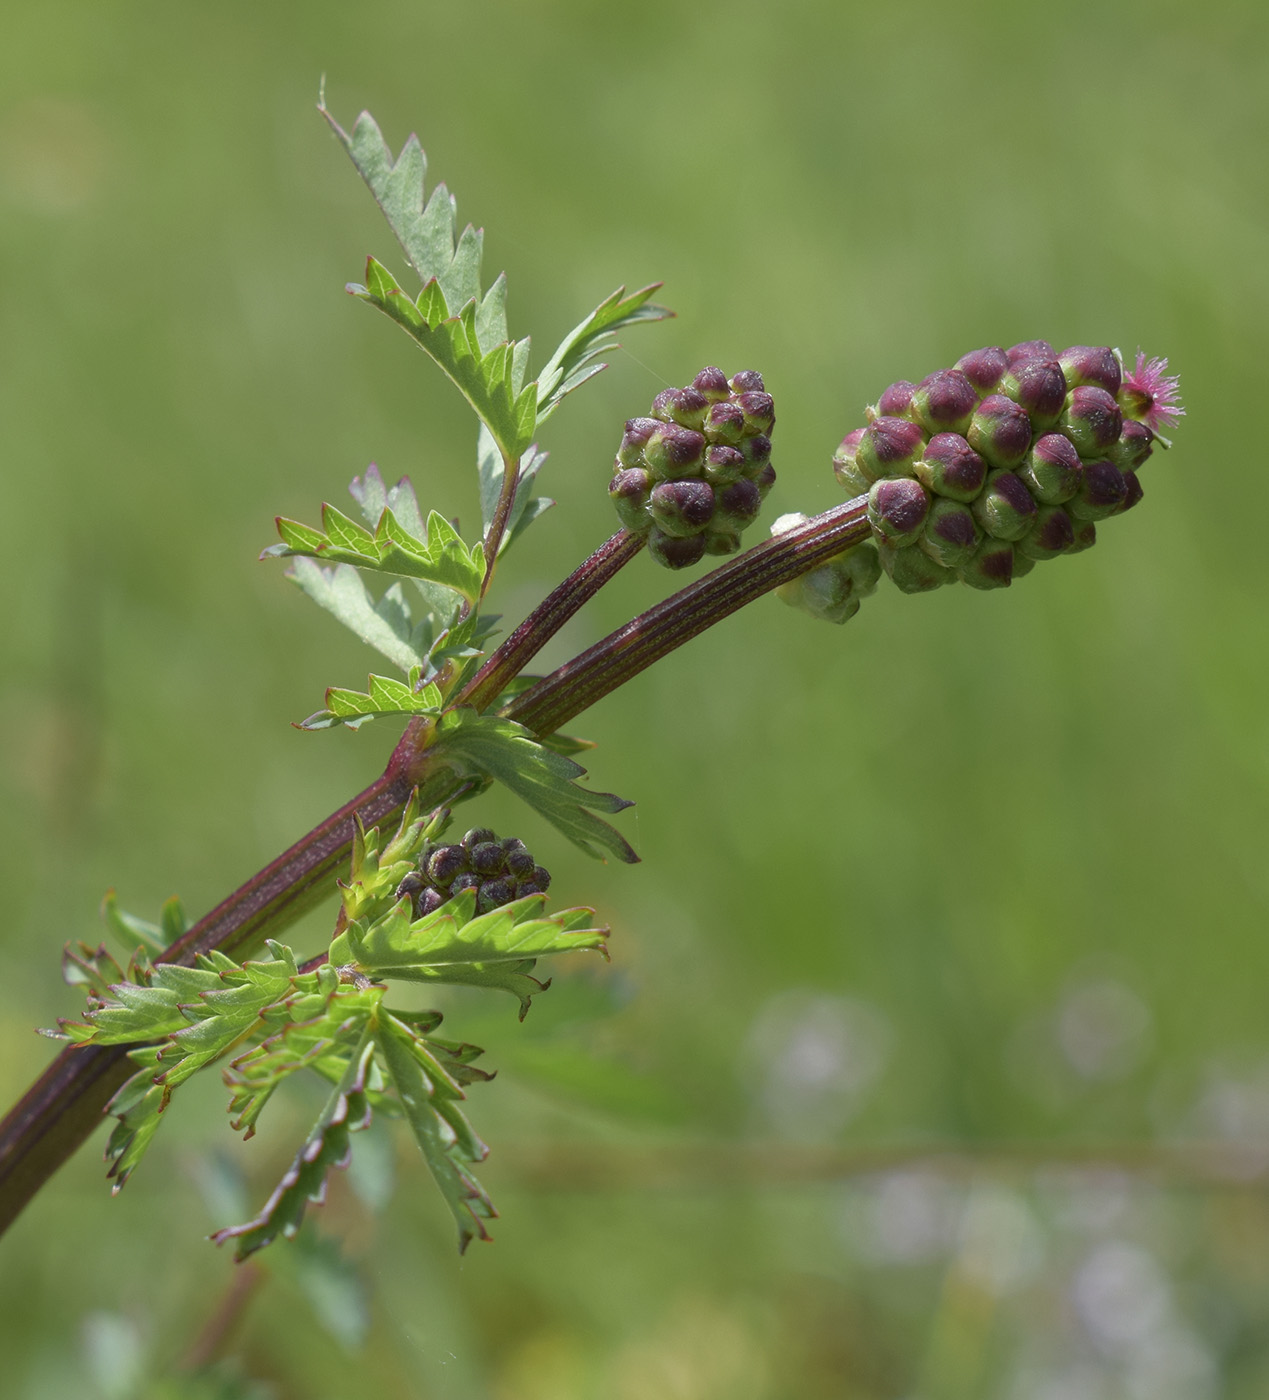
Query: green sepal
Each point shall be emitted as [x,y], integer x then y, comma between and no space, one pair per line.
[508,753]
[347,1111]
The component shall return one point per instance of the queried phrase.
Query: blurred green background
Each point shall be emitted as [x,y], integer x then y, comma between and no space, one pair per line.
[933,1059]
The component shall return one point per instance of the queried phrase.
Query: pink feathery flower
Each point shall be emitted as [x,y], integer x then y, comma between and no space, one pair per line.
[1150,395]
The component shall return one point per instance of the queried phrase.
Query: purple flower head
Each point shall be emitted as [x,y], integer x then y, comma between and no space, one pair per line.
[1150,394]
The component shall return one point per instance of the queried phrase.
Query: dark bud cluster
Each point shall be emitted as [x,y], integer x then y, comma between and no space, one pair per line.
[499,871]
[1007,459]
[693,475]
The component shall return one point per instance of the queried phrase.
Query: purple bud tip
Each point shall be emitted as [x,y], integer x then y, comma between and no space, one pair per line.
[632,484]
[756,449]
[741,501]
[955,526]
[957,470]
[747,381]
[1030,350]
[1054,532]
[428,902]
[1135,444]
[662,404]
[896,400]
[765,480]
[899,506]
[724,464]
[1000,431]
[892,441]
[1092,419]
[674,450]
[1038,387]
[1135,491]
[1151,395]
[758,408]
[1091,364]
[725,422]
[849,445]
[639,430]
[983,368]
[944,401]
[682,507]
[1057,450]
[1104,486]
[711,382]
[674,553]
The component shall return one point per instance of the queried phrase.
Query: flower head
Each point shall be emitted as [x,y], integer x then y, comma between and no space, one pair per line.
[1150,395]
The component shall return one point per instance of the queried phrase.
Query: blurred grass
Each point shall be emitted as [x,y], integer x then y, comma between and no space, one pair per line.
[940,833]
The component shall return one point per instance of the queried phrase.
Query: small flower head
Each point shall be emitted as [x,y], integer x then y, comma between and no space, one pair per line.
[1151,395]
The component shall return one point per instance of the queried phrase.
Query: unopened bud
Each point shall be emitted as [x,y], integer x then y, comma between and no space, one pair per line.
[1102,492]
[852,480]
[897,507]
[950,467]
[1085,536]
[1092,420]
[759,411]
[672,451]
[1136,443]
[951,534]
[1092,364]
[1006,509]
[675,553]
[991,565]
[1052,469]
[1135,491]
[1000,431]
[683,507]
[756,451]
[721,539]
[911,570]
[1051,535]
[737,505]
[685,407]
[712,382]
[984,368]
[445,863]
[487,858]
[723,465]
[894,402]
[635,439]
[629,491]
[1038,387]
[1031,350]
[944,402]
[725,422]
[747,381]
[889,447]
[765,480]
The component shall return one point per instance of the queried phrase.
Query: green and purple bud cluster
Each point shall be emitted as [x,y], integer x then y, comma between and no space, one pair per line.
[499,871]
[833,591]
[981,471]
[693,475]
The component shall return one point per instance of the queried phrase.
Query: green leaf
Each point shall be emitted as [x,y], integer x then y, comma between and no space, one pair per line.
[347,1110]
[437,1139]
[574,361]
[385,696]
[441,557]
[386,625]
[424,228]
[483,373]
[507,752]
[452,935]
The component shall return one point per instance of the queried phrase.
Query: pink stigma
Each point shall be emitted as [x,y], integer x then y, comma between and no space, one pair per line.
[1151,395]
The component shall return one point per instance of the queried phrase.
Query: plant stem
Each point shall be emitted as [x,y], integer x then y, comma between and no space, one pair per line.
[610,663]
[548,617]
[493,536]
[60,1111]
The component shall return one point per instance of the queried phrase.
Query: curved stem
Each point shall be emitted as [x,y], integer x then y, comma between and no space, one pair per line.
[610,663]
[65,1104]
[548,617]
